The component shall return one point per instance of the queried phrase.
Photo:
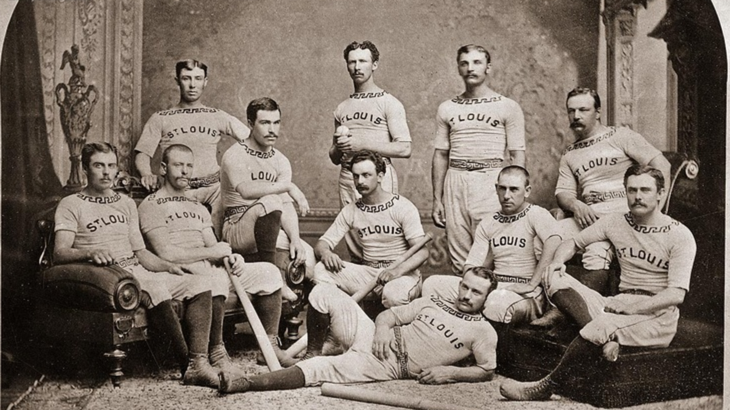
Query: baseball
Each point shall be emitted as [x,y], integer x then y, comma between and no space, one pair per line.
[342,130]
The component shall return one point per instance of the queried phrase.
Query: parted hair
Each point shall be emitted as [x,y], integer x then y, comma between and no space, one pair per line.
[260,104]
[638,169]
[174,147]
[366,155]
[471,47]
[589,91]
[189,64]
[365,45]
[486,273]
[92,148]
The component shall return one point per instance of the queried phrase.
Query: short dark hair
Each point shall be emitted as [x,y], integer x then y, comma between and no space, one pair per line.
[516,169]
[92,148]
[485,273]
[365,45]
[189,64]
[471,47]
[174,147]
[260,104]
[584,90]
[365,155]
[638,169]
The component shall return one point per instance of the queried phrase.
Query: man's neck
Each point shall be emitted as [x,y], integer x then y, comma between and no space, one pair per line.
[186,104]
[251,142]
[522,208]
[478,91]
[597,130]
[653,219]
[366,87]
[89,191]
[169,190]
[377,197]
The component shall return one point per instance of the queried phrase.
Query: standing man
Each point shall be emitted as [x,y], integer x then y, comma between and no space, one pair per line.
[100,226]
[511,237]
[376,122]
[473,130]
[419,341]
[192,124]
[257,194]
[590,184]
[655,253]
[387,225]
[179,230]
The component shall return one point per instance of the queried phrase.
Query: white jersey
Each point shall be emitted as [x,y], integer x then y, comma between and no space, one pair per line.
[243,164]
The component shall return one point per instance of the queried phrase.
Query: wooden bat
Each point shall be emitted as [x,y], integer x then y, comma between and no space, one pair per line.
[301,344]
[253,319]
[390,399]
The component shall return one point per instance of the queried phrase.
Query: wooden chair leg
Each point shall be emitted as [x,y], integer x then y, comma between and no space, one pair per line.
[115,358]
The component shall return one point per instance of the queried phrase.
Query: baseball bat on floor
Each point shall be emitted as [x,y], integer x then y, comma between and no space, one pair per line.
[378,397]
[301,344]
[253,319]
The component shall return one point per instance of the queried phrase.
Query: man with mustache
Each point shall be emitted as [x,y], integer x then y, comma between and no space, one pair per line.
[179,230]
[421,340]
[656,254]
[473,131]
[193,124]
[376,121]
[258,195]
[387,225]
[509,239]
[589,181]
[101,227]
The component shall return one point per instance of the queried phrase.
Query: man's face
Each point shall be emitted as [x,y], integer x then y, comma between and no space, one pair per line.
[365,177]
[642,194]
[265,130]
[582,114]
[360,65]
[512,192]
[178,169]
[102,171]
[191,83]
[473,292]
[473,67]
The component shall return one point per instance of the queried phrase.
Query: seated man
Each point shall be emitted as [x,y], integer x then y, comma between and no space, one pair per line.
[387,226]
[100,226]
[509,237]
[257,194]
[655,254]
[421,340]
[180,230]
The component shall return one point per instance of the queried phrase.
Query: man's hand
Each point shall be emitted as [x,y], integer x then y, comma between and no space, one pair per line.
[150,182]
[220,250]
[332,262]
[381,343]
[101,257]
[583,214]
[438,214]
[178,269]
[237,263]
[521,288]
[297,252]
[552,270]
[386,275]
[618,307]
[298,197]
[436,375]
[347,143]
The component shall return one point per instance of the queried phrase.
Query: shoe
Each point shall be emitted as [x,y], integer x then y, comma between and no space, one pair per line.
[611,350]
[288,294]
[551,318]
[220,360]
[527,391]
[200,372]
[230,384]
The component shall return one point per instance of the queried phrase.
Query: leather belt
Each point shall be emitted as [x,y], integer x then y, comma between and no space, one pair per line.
[124,262]
[205,181]
[402,354]
[475,165]
[596,197]
[638,292]
[235,210]
[377,264]
[511,279]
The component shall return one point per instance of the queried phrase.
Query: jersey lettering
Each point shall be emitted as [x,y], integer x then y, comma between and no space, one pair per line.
[106,221]
[363,116]
[200,130]
[475,117]
[596,162]
[440,328]
[508,241]
[380,229]
[184,215]
[643,255]
[263,176]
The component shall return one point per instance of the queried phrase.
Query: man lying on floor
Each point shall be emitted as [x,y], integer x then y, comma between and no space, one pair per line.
[421,340]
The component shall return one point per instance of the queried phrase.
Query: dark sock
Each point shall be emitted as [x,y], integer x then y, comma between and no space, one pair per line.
[197,321]
[266,230]
[165,327]
[596,280]
[290,378]
[268,308]
[571,303]
[580,357]
[317,325]
[216,321]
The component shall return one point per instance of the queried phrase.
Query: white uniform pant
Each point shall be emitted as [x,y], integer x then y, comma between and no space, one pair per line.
[597,255]
[163,286]
[258,278]
[656,329]
[238,229]
[354,330]
[354,277]
[502,305]
[469,196]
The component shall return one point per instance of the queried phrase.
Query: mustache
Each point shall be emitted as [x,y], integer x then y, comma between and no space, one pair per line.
[575,124]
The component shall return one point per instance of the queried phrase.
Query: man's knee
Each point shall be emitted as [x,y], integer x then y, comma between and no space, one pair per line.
[399,294]
[324,296]
[505,306]
[441,285]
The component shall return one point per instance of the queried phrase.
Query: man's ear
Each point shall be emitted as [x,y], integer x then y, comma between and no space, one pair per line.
[489,68]
[528,189]
[375,65]
[163,168]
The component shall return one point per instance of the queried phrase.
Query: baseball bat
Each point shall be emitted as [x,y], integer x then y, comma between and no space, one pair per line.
[390,399]
[301,344]
[253,319]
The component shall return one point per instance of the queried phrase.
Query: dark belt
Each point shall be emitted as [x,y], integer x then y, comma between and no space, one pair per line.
[475,165]
[596,197]
[131,261]
[205,181]
[402,355]
[637,292]
[235,210]
[377,264]
[511,279]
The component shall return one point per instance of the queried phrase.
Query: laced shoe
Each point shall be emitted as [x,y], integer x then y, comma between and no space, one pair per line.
[200,372]
[229,383]
[220,360]
[527,391]
[551,318]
